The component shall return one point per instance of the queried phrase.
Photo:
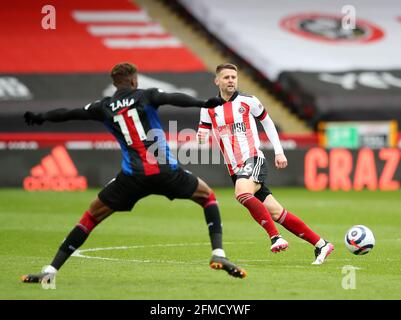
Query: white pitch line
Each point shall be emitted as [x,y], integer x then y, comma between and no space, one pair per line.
[156,245]
[78,253]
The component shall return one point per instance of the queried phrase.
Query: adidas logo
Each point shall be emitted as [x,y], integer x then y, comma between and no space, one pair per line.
[139,30]
[56,172]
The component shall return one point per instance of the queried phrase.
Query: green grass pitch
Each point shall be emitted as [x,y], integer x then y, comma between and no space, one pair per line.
[161,248]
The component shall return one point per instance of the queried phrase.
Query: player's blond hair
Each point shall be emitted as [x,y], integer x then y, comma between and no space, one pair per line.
[225,66]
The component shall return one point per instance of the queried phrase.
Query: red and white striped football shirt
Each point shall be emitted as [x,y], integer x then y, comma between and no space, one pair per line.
[234,128]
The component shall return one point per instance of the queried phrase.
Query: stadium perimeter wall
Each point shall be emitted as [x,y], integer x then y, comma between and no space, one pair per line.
[57,168]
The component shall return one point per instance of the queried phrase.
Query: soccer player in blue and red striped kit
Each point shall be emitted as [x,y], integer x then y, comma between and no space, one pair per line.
[130,114]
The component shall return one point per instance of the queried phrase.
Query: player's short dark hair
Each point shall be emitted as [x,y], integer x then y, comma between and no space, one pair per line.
[226,66]
[123,73]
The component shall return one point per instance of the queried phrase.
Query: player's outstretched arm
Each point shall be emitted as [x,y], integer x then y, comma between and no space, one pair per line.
[213,102]
[57,115]
[159,97]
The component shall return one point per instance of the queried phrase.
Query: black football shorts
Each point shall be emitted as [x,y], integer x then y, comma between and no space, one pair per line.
[121,193]
[256,169]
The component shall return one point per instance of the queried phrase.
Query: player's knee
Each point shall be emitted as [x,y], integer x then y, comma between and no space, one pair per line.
[203,188]
[238,194]
[241,190]
[275,216]
[95,209]
[99,210]
[238,191]
[275,212]
[241,195]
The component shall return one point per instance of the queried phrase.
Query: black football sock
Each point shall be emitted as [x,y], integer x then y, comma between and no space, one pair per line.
[213,220]
[73,241]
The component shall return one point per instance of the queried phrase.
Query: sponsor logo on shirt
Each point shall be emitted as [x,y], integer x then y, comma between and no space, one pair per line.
[232,128]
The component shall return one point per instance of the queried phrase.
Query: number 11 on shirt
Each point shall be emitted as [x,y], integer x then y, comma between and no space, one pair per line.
[132,114]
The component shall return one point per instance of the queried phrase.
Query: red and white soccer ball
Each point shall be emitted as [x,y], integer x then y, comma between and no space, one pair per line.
[359,240]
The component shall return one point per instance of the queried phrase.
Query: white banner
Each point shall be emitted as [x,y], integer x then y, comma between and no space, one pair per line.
[306,35]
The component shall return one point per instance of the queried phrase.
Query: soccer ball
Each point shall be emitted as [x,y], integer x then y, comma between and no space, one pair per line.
[359,240]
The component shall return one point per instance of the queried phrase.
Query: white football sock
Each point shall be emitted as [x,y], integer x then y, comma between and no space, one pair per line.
[320,243]
[218,252]
[50,269]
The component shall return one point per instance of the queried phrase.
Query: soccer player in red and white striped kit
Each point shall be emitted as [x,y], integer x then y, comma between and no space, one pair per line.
[234,127]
